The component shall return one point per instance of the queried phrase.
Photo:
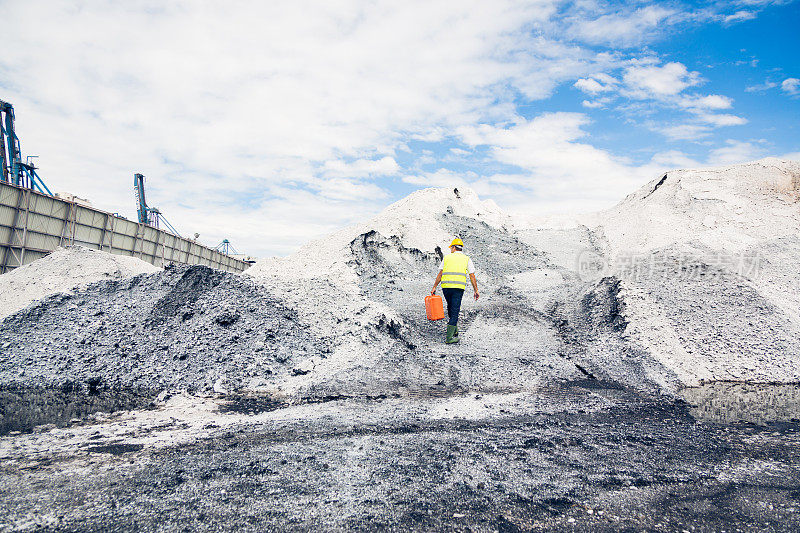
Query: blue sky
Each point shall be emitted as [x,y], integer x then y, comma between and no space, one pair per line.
[272,123]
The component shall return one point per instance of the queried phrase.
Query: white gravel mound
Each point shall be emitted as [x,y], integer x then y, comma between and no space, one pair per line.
[322,282]
[708,261]
[62,271]
[725,208]
[414,220]
[692,311]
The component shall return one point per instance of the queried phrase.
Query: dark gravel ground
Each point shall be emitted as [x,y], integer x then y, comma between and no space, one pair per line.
[639,466]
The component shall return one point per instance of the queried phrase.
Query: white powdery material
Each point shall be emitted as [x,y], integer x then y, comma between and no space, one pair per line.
[62,271]
[414,220]
[726,208]
[647,327]
[683,334]
[742,219]
[349,319]
[319,282]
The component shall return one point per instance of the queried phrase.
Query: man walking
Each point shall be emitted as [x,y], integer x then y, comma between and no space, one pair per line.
[453,276]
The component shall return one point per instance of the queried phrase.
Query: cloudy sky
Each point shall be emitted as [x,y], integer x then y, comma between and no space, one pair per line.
[271,123]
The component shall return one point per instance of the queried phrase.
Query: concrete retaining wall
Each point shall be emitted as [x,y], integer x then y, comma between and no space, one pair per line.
[33,224]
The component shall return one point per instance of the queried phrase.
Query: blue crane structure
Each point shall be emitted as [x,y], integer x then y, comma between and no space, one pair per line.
[146,214]
[226,247]
[22,173]
[14,169]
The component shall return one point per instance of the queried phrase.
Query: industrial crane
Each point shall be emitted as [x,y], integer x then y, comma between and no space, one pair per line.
[14,170]
[148,215]
[153,217]
[226,247]
[21,173]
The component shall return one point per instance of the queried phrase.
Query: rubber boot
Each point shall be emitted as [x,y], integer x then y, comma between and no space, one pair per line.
[451,337]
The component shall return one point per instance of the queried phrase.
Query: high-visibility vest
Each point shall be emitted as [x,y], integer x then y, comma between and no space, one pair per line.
[454,273]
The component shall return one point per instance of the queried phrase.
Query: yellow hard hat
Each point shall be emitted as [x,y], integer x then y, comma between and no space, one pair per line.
[457,242]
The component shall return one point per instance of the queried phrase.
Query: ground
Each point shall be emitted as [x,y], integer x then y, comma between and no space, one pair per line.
[580,456]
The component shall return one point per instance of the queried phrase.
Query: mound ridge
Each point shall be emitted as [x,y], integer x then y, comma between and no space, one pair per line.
[727,208]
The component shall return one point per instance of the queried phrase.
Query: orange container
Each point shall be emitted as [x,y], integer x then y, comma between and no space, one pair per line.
[434,307]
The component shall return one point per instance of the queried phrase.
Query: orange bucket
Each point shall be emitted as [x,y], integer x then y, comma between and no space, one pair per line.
[434,307]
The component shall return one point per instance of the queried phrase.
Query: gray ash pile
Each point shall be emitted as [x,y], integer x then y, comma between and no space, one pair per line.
[188,328]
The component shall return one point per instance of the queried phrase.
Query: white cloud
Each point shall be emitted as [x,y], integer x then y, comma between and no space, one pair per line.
[348,190]
[711,101]
[591,86]
[767,85]
[625,28]
[559,168]
[659,81]
[734,152]
[791,86]
[698,128]
[607,79]
[753,62]
[361,168]
[244,114]
[434,134]
[671,159]
[221,105]
[441,178]
[730,153]
[662,87]
[761,3]
[285,219]
[740,16]
[593,104]
[722,119]
[665,91]
[683,132]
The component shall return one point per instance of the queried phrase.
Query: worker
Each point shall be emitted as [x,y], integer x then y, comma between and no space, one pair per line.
[453,276]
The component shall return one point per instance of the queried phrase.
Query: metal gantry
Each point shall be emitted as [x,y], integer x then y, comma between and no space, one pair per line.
[14,169]
[226,247]
[22,174]
[146,214]
[34,221]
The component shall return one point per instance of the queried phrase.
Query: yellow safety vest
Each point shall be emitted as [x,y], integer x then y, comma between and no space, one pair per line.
[454,273]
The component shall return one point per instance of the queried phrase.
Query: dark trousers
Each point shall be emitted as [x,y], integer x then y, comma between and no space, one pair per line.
[453,297]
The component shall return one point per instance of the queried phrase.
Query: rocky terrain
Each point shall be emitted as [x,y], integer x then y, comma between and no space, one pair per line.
[630,368]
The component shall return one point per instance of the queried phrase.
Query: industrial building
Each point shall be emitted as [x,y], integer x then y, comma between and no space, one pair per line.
[34,221]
